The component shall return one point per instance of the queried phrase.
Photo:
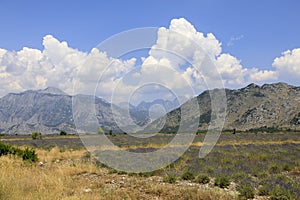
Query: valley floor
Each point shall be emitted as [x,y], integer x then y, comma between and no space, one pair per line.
[66,171]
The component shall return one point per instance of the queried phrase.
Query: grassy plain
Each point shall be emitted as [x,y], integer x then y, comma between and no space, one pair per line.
[257,166]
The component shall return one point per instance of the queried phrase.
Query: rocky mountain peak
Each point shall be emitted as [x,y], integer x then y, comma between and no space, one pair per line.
[52,90]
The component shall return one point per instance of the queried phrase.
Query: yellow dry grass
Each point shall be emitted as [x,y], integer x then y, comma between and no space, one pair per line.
[65,175]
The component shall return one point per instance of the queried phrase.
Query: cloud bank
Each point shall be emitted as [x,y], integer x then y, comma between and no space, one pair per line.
[57,65]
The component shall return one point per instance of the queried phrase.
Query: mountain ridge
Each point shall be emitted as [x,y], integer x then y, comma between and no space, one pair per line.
[251,107]
[270,106]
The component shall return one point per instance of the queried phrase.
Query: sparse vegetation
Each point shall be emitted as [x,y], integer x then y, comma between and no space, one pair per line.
[280,193]
[274,169]
[36,135]
[222,181]
[187,175]
[202,178]
[263,190]
[74,178]
[246,192]
[28,154]
[170,178]
[263,164]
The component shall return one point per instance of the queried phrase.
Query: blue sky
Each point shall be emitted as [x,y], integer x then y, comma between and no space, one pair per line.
[52,43]
[267,27]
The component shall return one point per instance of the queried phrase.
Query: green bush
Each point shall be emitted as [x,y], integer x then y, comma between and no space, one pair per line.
[4,149]
[263,190]
[287,167]
[202,178]
[62,132]
[209,169]
[147,174]
[240,176]
[36,135]
[15,151]
[279,193]
[29,154]
[246,192]
[112,171]
[263,174]
[187,175]
[274,169]
[170,178]
[222,181]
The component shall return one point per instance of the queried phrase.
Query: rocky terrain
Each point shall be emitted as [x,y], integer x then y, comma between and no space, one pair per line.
[46,111]
[262,108]
[270,106]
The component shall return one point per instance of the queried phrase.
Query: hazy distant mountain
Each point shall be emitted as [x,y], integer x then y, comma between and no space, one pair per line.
[145,112]
[166,104]
[47,111]
[253,107]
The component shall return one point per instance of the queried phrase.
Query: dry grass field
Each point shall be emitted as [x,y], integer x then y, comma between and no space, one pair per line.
[69,175]
[260,166]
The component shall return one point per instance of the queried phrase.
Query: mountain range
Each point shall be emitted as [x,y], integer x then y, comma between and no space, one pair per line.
[252,107]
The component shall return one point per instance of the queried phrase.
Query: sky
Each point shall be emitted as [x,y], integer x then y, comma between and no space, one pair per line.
[252,41]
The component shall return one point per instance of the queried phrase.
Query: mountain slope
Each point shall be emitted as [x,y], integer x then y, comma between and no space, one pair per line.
[46,111]
[253,107]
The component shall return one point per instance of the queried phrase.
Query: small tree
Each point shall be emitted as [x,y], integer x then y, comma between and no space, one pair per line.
[36,135]
[62,132]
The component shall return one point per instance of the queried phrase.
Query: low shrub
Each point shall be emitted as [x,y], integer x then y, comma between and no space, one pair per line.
[62,132]
[36,135]
[274,169]
[263,174]
[238,176]
[279,193]
[246,192]
[147,174]
[210,170]
[29,154]
[287,167]
[4,149]
[202,178]
[170,178]
[263,190]
[112,171]
[187,175]
[222,181]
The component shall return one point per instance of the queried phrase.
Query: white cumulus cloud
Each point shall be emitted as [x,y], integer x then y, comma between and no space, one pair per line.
[288,66]
[181,58]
